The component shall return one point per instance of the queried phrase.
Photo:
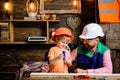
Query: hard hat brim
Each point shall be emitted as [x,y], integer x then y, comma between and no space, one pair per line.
[54,37]
[86,37]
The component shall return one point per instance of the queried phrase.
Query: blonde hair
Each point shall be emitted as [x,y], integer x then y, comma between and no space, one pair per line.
[64,38]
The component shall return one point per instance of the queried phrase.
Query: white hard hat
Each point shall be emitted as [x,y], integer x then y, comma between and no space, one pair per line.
[92,30]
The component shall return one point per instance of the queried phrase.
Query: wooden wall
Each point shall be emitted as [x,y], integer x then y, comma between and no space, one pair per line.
[15,55]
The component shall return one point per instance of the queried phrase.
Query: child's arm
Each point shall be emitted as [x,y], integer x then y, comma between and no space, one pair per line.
[53,60]
[68,60]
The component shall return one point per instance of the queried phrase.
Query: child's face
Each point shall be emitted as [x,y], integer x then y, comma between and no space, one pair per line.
[63,41]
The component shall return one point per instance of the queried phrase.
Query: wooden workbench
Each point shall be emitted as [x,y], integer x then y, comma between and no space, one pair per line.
[71,76]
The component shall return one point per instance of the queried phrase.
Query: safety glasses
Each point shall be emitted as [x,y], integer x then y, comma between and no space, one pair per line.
[87,40]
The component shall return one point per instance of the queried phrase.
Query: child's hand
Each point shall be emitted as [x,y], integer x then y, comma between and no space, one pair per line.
[68,62]
[60,56]
[45,69]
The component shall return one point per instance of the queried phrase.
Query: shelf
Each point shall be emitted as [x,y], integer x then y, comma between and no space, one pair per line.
[20,30]
[16,20]
[27,43]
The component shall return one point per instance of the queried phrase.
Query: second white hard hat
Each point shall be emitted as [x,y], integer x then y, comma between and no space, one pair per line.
[92,30]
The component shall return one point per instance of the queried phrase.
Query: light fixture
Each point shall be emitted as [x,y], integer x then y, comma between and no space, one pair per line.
[7,9]
[32,7]
[6,6]
[74,4]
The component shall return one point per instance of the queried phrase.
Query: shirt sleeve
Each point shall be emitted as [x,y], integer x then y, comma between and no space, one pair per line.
[107,65]
[51,53]
[74,54]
